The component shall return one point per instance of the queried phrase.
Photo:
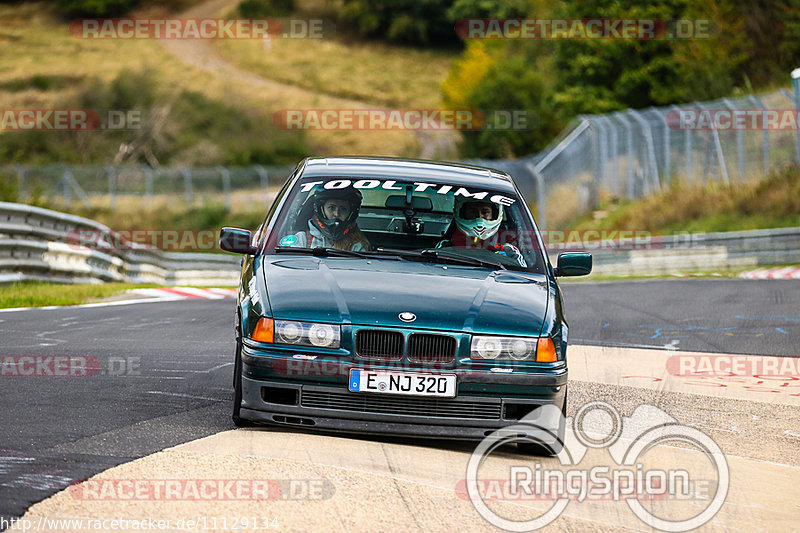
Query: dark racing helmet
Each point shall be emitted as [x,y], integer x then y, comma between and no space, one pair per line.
[333,228]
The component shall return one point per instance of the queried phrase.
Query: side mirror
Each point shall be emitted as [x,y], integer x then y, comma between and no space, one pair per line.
[236,240]
[574,264]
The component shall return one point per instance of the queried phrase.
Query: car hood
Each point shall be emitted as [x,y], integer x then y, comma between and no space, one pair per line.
[375,292]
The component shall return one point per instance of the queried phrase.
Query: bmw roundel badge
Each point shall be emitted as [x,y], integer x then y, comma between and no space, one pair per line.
[405,316]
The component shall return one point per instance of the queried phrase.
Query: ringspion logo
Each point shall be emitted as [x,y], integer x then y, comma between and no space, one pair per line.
[631,477]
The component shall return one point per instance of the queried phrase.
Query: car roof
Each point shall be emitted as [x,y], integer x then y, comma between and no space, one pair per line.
[416,169]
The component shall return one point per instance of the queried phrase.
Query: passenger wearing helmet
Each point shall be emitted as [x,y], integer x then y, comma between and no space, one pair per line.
[475,225]
[333,222]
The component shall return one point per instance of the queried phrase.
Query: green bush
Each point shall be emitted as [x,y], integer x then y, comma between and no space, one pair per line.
[257,9]
[96,8]
[8,187]
[511,86]
[416,22]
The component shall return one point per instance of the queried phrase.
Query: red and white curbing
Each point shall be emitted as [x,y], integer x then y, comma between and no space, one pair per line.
[186,293]
[792,272]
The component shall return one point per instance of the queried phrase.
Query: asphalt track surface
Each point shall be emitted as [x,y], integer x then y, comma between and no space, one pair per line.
[162,371]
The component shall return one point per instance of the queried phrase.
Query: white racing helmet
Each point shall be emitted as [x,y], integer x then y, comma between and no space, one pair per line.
[479,228]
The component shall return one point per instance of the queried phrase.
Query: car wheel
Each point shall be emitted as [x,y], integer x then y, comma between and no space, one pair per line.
[237,390]
[531,448]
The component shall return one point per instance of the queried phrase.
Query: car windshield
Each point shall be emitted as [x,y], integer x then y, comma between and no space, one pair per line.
[441,222]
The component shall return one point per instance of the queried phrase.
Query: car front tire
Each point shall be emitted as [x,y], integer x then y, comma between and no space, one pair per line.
[238,421]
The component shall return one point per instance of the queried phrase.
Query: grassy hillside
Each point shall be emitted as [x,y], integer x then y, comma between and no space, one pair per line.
[771,203]
[44,66]
[375,73]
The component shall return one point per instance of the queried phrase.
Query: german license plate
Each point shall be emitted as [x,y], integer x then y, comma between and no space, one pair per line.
[386,382]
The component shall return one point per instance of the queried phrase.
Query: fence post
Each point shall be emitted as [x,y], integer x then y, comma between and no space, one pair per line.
[739,141]
[687,149]
[667,147]
[66,183]
[264,176]
[614,154]
[148,182]
[111,172]
[765,141]
[629,158]
[651,150]
[187,184]
[541,197]
[601,149]
[796,83]
[20,181]
[723,168]
[226,185]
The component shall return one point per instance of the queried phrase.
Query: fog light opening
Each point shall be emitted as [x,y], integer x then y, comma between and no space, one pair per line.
[516,411]
[279,395]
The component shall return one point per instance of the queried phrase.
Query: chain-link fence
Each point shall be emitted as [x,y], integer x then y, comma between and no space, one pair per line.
[626,154]
[108,186]
[634,153]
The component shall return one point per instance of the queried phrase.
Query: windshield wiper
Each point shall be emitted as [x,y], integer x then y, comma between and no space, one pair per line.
[326,251]
[323,251]
[450,256]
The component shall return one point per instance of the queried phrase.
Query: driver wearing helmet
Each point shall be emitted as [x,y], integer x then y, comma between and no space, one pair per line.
[475,225]
[333,222]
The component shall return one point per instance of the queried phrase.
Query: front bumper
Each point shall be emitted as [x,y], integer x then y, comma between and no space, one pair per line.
[468,416]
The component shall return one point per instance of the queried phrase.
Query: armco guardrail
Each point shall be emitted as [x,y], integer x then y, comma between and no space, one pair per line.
[692,252]
[34,246]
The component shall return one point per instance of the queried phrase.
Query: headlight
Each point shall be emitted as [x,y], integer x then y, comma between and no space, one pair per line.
[512,348]
[307,334]
[486,347]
